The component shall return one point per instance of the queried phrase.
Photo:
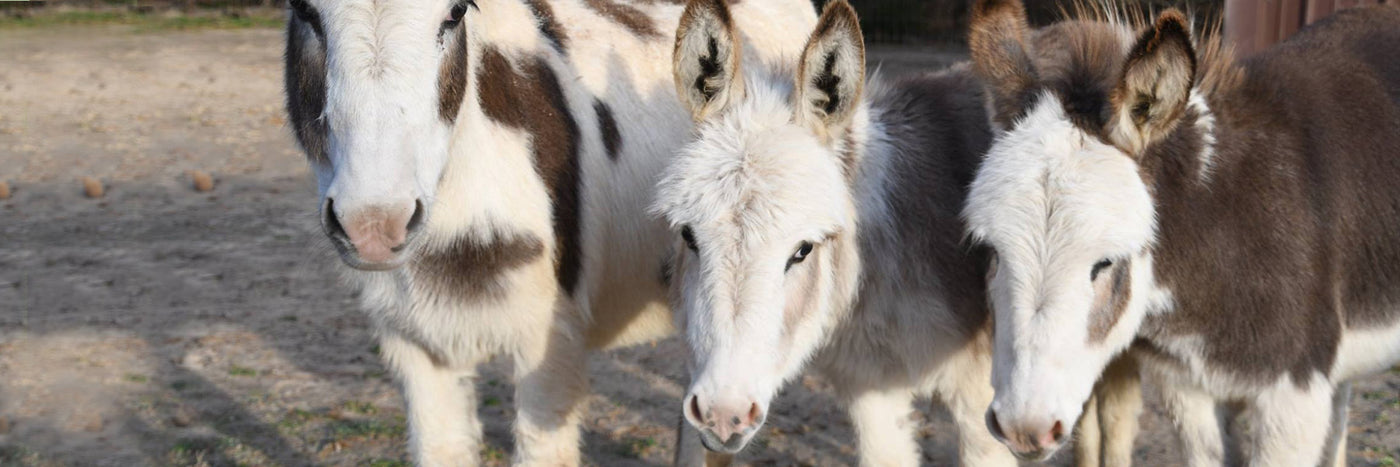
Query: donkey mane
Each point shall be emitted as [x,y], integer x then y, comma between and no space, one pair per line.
[1216,68]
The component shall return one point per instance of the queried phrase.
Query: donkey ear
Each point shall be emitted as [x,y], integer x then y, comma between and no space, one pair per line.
[1001,58]
[831,76]
[1156,84]
[706,59]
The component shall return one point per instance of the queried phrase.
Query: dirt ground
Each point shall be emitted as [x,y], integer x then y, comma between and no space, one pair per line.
[162,326]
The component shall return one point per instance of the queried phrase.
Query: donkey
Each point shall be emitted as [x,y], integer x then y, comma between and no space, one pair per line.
[484,169]
[1236,223]
[818,223]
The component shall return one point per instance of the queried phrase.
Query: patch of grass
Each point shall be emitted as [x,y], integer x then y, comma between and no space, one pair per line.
[361,407]
[146,22]
[136,378]
[289,318]
[235,370]
[638,448]
[492,453]
[296,418]
[491,401]
[373,429]
[181,385]
[1387,461]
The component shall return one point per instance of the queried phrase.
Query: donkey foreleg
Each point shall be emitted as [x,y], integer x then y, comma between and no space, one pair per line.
[1336,454]
[1119,395]
[551,392]
[443,429]
[1290,424]
[884,427]
[967,392]
[1193,415]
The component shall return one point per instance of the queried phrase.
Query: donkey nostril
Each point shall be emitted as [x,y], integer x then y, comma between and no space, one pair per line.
[417,219]
[755,414]
[331,223]
[693,410]
[994,426]
[1057,432]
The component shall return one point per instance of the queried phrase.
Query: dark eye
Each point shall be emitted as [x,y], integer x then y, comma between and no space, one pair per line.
[798,256]
[459,10]
[689,238]
[1098,268]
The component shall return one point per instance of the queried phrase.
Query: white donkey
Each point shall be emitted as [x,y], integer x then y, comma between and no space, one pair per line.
[818,224]
[485,167]
[1236,224]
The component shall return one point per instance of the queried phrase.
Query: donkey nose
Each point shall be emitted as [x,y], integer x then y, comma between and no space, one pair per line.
[374,234]
[723,426]
[1030,441]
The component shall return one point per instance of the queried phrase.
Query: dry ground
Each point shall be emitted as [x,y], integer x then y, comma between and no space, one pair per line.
[160,326]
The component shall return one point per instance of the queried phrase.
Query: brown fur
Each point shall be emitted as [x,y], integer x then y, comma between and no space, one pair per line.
[530,98]
[1298,232]
[470,270]
[607,128]
[998,41]
[549,26]
[625,15]
[452,78]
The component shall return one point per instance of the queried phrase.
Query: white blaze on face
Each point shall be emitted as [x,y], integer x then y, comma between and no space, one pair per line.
[767,207]
[1056,203]
[387,142]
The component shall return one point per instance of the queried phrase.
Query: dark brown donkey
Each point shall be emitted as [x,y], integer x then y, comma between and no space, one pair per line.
[1236,223]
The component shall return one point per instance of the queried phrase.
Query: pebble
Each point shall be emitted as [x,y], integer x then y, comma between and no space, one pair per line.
[4,425]
[4,190]
[203,182]
[92,187]
[181,418]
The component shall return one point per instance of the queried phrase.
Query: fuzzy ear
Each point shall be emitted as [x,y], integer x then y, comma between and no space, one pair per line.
[1156,84]
[706,59]
[1001,58]
[831,76]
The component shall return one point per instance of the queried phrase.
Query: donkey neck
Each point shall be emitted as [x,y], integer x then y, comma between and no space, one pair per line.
[917,151]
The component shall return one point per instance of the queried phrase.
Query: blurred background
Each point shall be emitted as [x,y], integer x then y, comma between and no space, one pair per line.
[166,297]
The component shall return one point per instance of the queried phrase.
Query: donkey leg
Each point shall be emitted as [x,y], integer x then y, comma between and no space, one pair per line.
[551,391]
[1192,413]
[1120,403]
[1290,424]
[443,429]
[884,427]
[1336,453]
[965,388]
[1088,439]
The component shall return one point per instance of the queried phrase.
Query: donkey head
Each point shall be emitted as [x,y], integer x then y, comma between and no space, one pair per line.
[1061,200]
[372,90]
[766,253]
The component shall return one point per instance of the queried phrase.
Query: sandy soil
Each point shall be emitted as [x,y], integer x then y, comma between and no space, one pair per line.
[161,326]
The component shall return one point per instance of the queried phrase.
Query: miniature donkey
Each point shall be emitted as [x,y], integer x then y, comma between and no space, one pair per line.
[1236,223]
[818,222]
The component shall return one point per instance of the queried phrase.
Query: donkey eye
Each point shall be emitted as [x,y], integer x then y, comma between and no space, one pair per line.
[1098,268]
[798,256]
[689,238]
[459,9]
